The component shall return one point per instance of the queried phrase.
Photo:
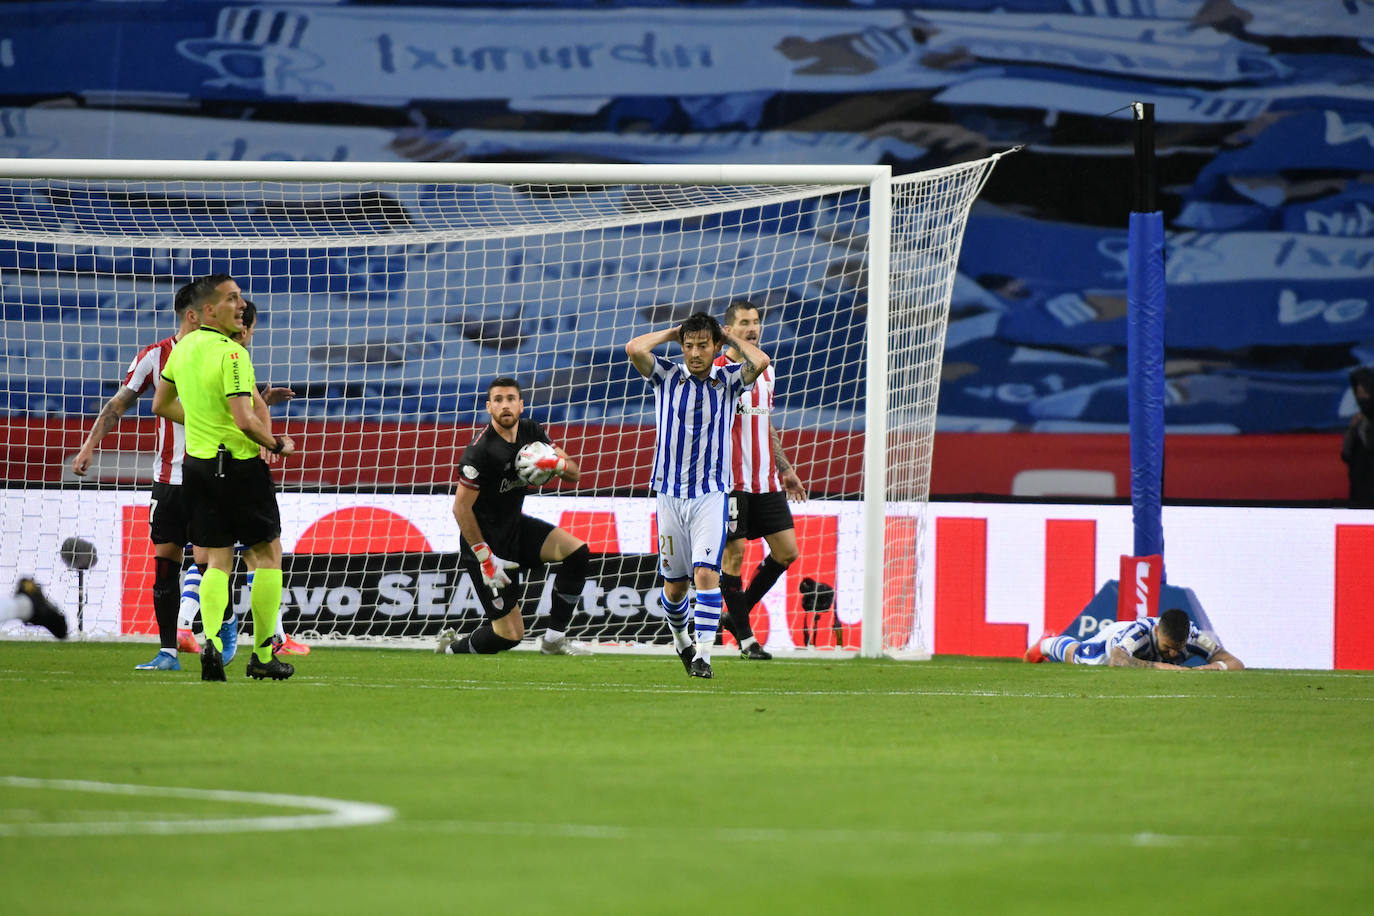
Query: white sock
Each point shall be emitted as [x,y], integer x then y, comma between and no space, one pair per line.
[552,636]
[16,607]
[190,598]
[751,641]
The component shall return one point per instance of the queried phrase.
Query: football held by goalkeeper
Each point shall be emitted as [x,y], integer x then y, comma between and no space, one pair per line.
[499,542]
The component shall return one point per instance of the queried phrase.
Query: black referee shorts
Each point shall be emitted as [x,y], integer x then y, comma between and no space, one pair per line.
[524,548]
[230,500]
[168,520]
[757,515]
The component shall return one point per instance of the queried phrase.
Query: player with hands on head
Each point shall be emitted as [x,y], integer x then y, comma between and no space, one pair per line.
[498,541]
[764,483]
[1163,642]
[692,472]
[208,384]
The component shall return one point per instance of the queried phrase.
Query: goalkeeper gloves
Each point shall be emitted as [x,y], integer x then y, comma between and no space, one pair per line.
[554,462]
[493,567]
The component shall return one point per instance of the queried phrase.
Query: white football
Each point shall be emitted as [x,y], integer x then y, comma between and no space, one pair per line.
[525,459]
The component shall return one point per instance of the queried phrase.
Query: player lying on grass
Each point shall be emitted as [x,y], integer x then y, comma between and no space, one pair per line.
[499,542]
[1150,642]
[29,604]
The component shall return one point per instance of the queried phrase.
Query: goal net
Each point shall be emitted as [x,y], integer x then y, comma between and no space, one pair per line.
[390,295]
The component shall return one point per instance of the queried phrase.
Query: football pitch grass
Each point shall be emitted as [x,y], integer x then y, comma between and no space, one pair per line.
[615,784]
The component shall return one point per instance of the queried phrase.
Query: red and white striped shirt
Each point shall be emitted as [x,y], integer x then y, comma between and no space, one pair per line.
[755,469]
[142,376]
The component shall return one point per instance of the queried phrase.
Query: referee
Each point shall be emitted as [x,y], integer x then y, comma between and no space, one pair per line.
[207,385]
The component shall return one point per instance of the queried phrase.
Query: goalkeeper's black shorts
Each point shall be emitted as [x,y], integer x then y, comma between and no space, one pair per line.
[522,546]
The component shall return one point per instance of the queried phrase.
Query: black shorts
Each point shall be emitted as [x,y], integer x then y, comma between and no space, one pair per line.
[530,535]
[757,515]
[230,501]
[168,520]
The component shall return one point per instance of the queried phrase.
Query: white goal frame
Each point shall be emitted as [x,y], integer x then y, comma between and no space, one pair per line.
[877,179]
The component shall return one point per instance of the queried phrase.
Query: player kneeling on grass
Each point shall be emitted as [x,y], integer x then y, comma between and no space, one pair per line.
[499,542]
[1165,641]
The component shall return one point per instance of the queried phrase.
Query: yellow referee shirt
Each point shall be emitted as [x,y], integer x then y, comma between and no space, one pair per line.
[208,369]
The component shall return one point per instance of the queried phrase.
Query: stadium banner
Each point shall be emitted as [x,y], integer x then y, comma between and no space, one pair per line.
[74,133]
[575,58]
[1284,588]
[1330,140]
[1298,287]
[1281,207]
[420,594]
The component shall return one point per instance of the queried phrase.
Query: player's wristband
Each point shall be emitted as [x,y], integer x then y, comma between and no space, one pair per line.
[481,551]
[1220,664]
[277,446]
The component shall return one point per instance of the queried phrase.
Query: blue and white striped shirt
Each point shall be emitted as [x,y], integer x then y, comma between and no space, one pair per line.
[693,448]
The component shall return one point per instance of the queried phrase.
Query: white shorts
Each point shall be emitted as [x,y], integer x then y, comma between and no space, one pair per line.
[691,533]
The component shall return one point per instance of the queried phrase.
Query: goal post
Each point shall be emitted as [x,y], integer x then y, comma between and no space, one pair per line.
[392,293]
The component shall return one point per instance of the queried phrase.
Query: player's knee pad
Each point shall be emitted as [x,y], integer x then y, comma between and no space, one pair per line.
[572,573]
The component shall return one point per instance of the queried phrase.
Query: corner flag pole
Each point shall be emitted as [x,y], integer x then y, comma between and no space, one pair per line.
[1145,343]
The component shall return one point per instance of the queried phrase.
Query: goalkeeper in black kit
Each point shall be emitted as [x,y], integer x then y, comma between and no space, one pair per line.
[499,543]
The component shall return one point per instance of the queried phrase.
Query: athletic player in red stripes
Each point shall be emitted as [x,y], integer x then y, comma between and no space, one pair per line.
[764,481]
[168,519]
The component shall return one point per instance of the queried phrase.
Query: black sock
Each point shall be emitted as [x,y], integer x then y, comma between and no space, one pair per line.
[166,599]
[567,588]
[735,618]
[483,641]
[764,578]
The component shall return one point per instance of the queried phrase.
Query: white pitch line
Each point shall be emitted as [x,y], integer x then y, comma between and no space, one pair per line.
[757,835]
[333,812]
